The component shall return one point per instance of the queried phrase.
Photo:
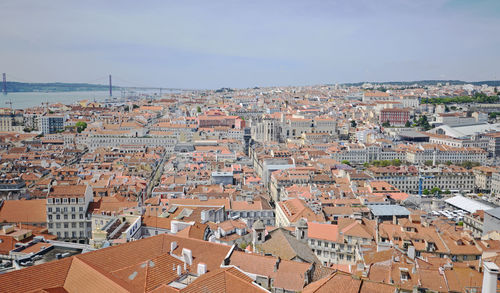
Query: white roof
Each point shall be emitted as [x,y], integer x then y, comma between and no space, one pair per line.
[467,204]
[465,131]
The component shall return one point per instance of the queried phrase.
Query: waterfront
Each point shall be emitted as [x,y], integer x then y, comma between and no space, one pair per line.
[23,100]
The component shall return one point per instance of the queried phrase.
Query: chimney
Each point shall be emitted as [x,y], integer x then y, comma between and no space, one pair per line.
[188,256]
[277,264]
[490,275]
[411,252]
[173,227]
[394,220]
[173,246]
[202,269]
[179,270]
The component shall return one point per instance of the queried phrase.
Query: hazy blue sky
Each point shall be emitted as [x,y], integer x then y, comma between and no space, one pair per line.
[210,44]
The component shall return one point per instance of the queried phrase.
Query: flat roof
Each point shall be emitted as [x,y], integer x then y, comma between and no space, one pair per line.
[467,204]
[412,134]
[388,210]
[494,212]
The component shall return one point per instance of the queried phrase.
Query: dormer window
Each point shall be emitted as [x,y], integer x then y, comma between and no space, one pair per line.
[405,275]
[65,200]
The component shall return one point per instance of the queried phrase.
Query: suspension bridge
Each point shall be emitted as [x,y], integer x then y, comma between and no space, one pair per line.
[102,81]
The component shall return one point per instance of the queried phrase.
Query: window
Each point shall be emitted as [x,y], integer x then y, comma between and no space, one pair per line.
[81,216]
[50,217]
[73,209]
[65,217]
[49,210]
[80,225]
[73,225]
[58,225]
[66,225]
[65,200]
[58,217]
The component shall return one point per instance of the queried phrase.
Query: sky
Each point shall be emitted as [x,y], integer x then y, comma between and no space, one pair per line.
[212,44]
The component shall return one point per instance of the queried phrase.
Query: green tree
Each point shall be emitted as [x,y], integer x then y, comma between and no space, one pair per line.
[447,191]
[346,162]
[408,123]
[198,109]
[386,124]
[428,163]
[426,192]
[396,162]
[424,123]
[385,163]
[435,190]
[80,126]
[353,123]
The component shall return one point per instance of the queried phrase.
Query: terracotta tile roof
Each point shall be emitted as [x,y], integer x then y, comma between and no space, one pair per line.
[67,191]
[289,275]
[341,282]
[23,211]
[135,266]
[223,280]
[47,275]
[323,231]
[282,243]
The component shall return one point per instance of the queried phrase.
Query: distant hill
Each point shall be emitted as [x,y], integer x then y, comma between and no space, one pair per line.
[13,87]
[428,82]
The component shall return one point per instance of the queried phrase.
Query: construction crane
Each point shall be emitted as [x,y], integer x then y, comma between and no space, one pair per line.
[420,183]
[9,102]
[46,105]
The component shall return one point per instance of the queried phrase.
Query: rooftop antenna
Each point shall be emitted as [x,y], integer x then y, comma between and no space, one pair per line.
[4,89]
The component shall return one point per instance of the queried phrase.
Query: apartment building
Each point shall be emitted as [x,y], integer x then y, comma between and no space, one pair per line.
[67,212]
[11,122]
[50,123]
[442,153]
[394,116]
[339,244]
[407,179]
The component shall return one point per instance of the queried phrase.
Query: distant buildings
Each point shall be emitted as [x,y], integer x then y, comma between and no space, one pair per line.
[50,124]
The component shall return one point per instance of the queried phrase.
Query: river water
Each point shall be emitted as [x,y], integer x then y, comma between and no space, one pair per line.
[23,100]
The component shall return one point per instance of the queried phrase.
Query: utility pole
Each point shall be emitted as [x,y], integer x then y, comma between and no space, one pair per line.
[4,75]
[110,87]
